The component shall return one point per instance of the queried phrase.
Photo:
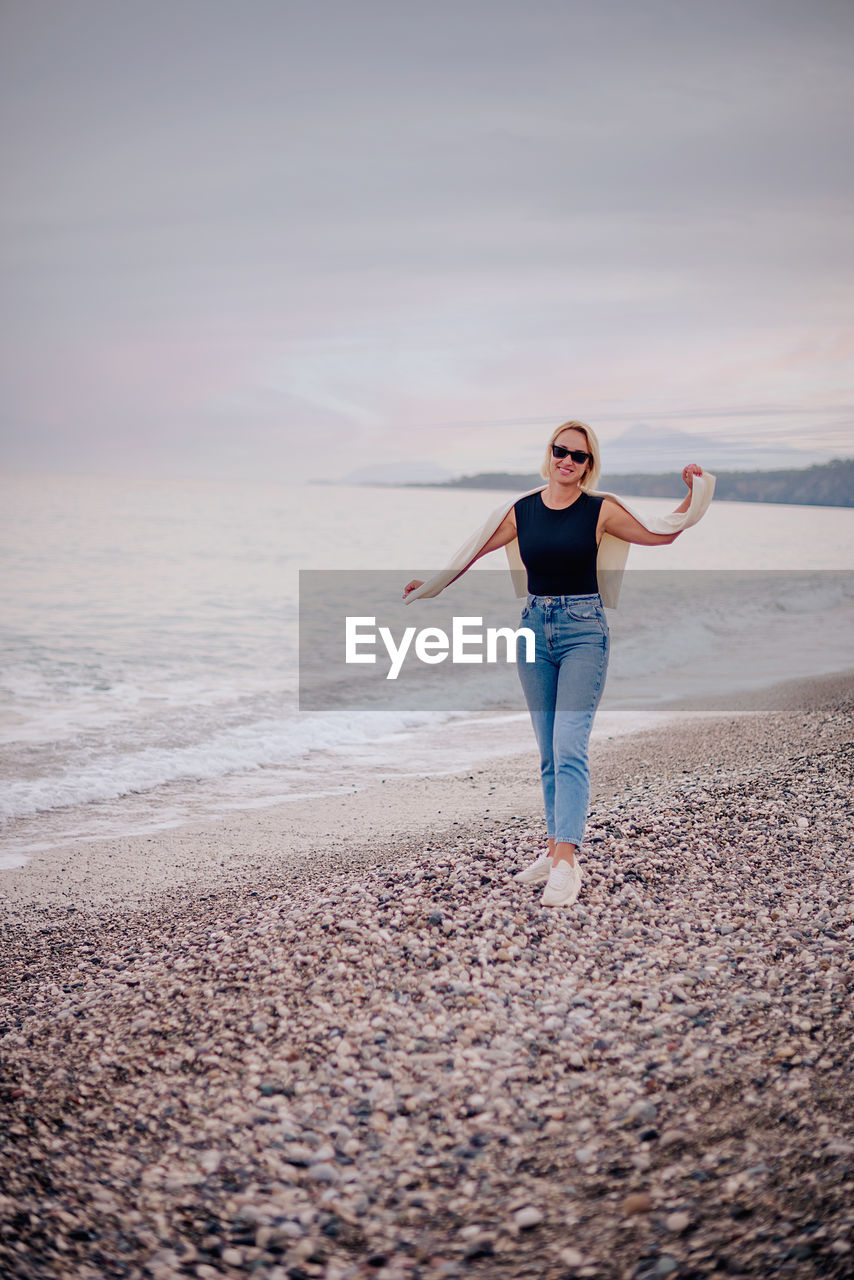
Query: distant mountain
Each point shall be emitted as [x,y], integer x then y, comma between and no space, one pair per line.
[828,485]
[415,472]
[488,480]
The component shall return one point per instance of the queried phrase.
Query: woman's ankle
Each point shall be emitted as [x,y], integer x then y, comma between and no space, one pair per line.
[564,852]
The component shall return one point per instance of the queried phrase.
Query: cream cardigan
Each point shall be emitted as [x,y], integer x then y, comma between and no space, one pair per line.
[613,552]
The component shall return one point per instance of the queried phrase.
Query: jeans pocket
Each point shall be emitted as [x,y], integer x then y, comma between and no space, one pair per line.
[585,611]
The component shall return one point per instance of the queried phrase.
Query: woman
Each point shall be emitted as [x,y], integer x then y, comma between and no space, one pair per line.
[559,529]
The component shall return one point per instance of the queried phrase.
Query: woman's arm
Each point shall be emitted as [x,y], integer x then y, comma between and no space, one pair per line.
[615,520]
[505,533]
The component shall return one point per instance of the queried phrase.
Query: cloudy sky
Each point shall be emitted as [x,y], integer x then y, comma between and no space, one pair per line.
[296,237]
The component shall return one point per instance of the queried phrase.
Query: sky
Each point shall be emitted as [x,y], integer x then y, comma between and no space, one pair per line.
[280,239]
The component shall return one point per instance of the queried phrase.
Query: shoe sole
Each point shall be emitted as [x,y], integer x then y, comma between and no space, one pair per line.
[568,901]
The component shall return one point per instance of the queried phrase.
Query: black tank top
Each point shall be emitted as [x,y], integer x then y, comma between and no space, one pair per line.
[558,548]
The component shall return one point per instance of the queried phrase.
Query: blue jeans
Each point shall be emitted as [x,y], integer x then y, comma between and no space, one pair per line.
[562,689]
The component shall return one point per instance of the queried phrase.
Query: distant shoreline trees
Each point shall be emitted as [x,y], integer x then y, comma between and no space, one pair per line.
[829,484]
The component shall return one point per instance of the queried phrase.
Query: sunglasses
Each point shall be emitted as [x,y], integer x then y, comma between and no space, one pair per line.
[577,455]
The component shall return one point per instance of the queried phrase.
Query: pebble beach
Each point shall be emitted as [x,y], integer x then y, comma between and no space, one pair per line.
[389,1060]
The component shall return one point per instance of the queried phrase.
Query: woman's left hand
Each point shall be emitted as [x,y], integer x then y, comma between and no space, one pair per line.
[689,472]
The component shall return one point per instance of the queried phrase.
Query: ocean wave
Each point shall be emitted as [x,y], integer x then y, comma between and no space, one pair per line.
[110,773]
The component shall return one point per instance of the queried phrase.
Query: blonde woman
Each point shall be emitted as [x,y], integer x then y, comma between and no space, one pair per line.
[557,532]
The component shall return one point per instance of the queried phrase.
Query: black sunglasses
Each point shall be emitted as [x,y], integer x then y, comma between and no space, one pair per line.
[577,455]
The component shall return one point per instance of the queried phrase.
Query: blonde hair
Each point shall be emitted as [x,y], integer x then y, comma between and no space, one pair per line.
[594,466]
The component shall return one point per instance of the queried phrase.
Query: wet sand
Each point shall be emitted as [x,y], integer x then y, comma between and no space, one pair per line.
[309,837]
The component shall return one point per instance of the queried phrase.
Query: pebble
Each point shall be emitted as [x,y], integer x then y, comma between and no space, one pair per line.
[384,1069]
[571,1257]
[643,1112]
[636,1202]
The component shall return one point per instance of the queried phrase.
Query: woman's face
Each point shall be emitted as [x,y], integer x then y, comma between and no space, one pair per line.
[564,469]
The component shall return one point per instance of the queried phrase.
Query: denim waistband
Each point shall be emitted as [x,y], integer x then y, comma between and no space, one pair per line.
[592,595]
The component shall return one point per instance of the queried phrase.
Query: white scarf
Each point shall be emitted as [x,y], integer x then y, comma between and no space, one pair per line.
[612,555]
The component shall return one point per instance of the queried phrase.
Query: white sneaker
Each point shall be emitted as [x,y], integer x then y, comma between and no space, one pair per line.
[563,885]
[536,872]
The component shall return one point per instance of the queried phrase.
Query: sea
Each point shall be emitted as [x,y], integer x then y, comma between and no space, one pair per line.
[150,642]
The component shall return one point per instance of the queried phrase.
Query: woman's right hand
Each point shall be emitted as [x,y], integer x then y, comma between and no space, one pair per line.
[412,586]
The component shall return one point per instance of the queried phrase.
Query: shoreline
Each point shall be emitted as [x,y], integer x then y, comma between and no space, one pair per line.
[399,1065]
[385,820]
